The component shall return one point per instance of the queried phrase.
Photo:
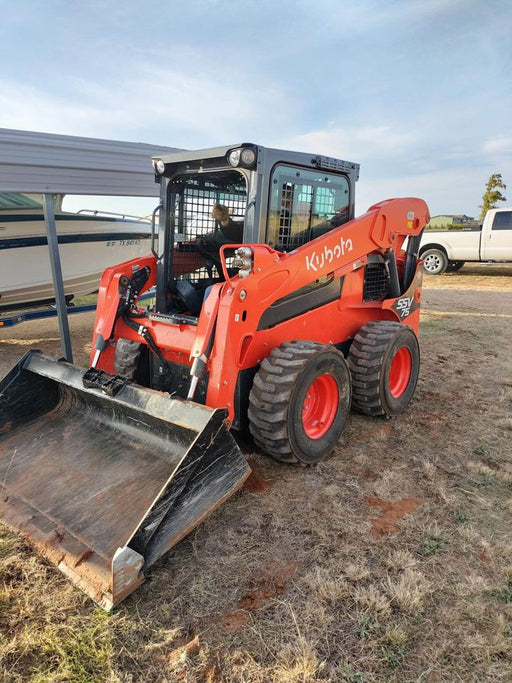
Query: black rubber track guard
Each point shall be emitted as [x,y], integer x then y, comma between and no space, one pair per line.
[104,486]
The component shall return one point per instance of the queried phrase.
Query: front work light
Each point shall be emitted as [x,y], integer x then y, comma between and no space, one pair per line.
[248,156]
[244,157]
[159,166]
[234,157]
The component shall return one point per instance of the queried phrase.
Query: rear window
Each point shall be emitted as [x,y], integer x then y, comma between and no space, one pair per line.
[502,221]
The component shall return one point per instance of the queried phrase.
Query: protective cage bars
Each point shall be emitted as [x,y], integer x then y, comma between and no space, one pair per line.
[191,222]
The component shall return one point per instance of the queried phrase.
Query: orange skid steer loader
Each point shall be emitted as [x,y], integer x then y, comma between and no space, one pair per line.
[274,311]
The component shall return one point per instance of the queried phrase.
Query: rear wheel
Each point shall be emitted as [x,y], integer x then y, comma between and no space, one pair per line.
[454,266]
[126,358]
[435,261]
[384,360]
[299,401]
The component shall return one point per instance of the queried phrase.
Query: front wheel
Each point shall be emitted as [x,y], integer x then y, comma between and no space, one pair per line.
[435,261]
[299,401]
[384,360]
[126,358]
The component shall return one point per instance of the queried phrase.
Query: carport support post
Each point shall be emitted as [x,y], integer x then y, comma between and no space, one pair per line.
[58,284]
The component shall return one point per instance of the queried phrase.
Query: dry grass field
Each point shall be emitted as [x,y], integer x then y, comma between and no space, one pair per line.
[389,561]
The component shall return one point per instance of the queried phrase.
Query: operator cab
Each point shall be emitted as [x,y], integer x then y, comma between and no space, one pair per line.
[283,199]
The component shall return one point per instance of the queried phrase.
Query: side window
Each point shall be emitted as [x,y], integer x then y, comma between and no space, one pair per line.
[304,204]
[502,220]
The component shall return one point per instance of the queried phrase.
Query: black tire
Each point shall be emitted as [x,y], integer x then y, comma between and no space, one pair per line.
[435,261]
[300,401]
[126,358]
[384,360]
[454,266]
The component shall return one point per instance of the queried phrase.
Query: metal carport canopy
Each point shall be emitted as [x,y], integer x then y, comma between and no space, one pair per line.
[50,164]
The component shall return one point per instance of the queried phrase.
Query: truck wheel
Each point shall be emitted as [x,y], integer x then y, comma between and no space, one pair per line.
[454,266]
[299,401]
[126,358]
[435,261]
[384,360]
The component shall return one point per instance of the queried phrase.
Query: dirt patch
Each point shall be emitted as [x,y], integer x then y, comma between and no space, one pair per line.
[234,621]
[268,583]
[255,482]
[369,474]
[391,513]
[262,592]
[188,649]
[480,278]
[44,335]
[226,623]
[380,432]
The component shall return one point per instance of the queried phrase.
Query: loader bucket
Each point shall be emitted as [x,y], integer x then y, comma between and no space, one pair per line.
[104,485]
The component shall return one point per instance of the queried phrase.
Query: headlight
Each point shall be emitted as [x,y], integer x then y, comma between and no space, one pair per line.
[159,166]
[234,157]
[248,156]
[243,156]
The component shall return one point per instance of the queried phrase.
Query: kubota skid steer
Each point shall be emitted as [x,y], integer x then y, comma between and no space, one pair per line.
[274,310]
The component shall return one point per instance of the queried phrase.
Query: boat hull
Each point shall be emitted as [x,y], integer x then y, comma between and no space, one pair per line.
[87,246]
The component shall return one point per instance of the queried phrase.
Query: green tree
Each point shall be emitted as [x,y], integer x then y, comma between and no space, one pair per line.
[492,194]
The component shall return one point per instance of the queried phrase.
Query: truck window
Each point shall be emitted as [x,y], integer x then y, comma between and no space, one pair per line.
[304,204]
[502,220]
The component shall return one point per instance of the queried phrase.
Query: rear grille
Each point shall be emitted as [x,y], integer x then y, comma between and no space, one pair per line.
[376,282]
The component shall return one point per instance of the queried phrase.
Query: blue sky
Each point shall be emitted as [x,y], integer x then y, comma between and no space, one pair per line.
[419,93]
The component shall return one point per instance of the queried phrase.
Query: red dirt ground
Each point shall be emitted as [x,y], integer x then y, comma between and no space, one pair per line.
[391,513]
[255,482]
[271,581]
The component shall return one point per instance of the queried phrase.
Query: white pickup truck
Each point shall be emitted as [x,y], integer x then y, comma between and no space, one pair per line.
[448,250]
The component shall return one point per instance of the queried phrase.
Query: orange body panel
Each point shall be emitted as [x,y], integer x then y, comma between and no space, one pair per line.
[237,306]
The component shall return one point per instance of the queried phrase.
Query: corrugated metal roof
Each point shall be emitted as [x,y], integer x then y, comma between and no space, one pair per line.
[64,164]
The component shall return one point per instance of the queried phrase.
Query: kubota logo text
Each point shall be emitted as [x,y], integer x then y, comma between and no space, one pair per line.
[316,261]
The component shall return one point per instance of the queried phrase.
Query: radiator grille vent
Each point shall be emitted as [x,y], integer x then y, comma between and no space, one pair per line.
[376,282]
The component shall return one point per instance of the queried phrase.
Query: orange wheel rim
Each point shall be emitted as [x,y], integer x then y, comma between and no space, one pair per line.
[400,372]
[320,406]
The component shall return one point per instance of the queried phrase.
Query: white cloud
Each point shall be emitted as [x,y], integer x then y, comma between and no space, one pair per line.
[186,104]
[500,145]
[28,108]
[350,18]
[445,191]
[356,144]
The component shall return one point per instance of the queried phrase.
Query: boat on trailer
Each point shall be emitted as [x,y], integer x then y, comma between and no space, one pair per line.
[89,242]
